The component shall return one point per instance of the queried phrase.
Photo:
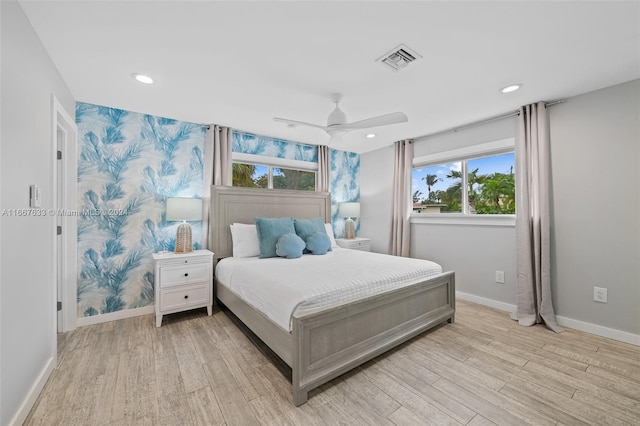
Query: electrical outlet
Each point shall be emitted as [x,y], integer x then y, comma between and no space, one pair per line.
[500,277]
[600,294]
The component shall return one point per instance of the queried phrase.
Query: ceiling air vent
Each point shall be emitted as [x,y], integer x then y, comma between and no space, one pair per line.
[399,57]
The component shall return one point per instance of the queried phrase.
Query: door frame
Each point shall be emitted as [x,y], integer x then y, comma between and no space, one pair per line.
[67,257]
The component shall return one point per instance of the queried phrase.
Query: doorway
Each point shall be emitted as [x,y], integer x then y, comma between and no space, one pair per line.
[65,216]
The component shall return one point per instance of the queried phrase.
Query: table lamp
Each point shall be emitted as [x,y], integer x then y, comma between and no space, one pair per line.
[184,209]
[350,211]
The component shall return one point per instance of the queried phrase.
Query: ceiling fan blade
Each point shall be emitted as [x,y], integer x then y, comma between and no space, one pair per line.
[297,123]
[383,120]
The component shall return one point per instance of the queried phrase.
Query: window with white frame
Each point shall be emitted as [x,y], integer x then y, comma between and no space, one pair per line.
[476,180]
[256,171]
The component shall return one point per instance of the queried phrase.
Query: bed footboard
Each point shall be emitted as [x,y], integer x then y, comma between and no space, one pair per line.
[334,341]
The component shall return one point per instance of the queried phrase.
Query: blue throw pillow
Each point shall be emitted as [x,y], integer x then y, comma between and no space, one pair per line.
[319,243]
[269,230]
[289,246]
[306,227]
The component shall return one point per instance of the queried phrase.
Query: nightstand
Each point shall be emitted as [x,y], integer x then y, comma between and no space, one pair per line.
[183,281]
[357,243]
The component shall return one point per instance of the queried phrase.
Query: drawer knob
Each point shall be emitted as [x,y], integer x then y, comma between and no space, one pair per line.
[186,296]
[186,275]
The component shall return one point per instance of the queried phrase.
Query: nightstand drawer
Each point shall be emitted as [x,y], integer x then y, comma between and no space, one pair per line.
[178,275]
[358,243]
[183,297]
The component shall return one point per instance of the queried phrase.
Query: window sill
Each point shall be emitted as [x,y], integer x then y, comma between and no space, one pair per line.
[508,220]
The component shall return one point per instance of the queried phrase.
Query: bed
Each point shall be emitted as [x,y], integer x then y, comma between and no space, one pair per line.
[319,344]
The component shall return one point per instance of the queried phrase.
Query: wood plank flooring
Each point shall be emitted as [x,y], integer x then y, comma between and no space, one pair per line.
[482,370]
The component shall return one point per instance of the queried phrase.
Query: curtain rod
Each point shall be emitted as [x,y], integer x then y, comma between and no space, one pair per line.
[486,120]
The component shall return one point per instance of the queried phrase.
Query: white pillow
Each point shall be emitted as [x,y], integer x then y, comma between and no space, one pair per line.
[329,229]
[245,240]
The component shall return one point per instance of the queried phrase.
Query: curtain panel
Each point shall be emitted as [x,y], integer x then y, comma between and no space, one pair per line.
[324,163]
[533,284]
[217,170]
[401,213]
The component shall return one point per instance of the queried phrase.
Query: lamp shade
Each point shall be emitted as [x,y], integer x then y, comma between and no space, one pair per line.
[349,210]
[184,209]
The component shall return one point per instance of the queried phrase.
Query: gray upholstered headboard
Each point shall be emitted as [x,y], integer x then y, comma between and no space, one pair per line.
[240,205]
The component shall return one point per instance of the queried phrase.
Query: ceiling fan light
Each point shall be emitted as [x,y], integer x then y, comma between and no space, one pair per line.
[337,116]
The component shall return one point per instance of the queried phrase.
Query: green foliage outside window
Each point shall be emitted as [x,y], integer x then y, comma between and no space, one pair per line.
[492,192]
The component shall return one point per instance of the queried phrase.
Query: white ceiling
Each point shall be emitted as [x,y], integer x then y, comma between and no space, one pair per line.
[241,63]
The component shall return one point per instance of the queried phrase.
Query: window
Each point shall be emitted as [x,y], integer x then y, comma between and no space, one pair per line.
[268,176]
[486,182]
[250,175]
[300,180]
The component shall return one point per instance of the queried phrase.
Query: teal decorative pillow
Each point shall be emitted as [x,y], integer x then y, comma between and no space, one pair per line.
[269,230]
[306,227]
[319,243]
[289,246]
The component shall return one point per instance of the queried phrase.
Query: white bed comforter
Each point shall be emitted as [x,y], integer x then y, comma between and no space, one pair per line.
[280,287]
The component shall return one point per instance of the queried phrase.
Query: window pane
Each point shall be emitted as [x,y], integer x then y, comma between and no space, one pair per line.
[492,184]
[437,189]
[250,175]
[294,179]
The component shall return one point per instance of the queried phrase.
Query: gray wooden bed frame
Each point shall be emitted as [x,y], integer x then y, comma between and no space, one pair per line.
[328,343]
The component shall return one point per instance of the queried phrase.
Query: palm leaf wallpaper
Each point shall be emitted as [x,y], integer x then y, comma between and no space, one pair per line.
[247,143]
[129,163]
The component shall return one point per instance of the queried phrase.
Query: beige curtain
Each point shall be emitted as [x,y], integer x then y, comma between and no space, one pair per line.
[217,170]
[324,163]
[533,284]
[400,227]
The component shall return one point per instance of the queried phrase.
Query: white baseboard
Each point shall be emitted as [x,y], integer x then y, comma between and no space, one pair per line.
[598,330]
[486,302]
[611,333]
[113,316]
[34,392]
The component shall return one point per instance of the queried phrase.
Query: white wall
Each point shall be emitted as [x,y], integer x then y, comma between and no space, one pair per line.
[595,154]
[595,157]
[27,311]
[376,185]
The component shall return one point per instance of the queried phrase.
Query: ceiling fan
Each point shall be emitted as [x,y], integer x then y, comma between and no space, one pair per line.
[337,121]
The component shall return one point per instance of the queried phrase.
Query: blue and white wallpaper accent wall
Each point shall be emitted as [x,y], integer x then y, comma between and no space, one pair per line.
[344,185]
[128,164]
[247,143]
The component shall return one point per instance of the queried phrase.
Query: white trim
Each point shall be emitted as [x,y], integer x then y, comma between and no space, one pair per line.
[63,120]
[598,330]
[507,220]
[239,157]
[33,393]
[483,149]
[113,316]
[507,307]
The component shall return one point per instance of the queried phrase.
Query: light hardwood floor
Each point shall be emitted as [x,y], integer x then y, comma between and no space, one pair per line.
[484,369]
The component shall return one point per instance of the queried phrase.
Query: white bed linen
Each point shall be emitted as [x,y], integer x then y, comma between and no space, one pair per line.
[278,287]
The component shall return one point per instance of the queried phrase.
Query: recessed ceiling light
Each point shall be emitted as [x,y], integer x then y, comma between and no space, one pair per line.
[370,135]
[142,78]
[511,88]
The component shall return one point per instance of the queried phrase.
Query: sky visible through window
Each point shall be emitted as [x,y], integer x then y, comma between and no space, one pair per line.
[486,165]
[260,171]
